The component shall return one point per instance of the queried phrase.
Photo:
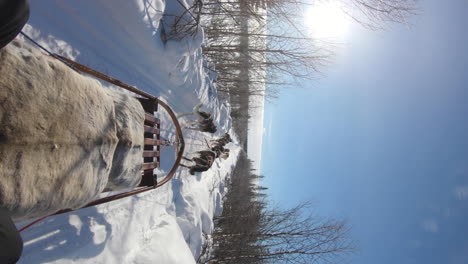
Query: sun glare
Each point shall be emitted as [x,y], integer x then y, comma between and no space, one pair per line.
[326,20]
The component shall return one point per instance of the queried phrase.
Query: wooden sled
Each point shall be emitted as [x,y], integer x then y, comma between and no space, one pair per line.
[152,148]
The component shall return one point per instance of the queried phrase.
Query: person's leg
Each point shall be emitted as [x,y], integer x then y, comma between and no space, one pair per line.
[11,244]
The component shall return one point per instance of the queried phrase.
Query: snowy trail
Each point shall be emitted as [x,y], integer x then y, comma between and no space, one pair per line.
[122,38]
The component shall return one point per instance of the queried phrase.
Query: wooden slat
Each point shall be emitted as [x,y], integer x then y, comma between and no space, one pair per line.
[151,141]
[150,154]
[147,171]
[149,166]
[150,129]
[149,118]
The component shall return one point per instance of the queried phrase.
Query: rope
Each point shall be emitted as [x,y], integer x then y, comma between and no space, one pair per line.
[172,144]
[197,144]
[48,51]
[194,144]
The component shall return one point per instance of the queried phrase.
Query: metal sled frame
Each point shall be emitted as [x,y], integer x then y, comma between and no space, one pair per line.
[152,140]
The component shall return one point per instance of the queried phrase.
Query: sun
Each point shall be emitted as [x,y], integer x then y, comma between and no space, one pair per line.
[326,20]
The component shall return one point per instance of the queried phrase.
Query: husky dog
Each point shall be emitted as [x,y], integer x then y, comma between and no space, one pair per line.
[204,122]
[224,154]
[217,146]
[220,151]
[222,141]
[195,168]
[203,162]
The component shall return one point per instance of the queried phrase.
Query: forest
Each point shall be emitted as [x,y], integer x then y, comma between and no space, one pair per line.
[259,49]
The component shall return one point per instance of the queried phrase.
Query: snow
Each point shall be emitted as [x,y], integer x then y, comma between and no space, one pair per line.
[255,133]
[169,224]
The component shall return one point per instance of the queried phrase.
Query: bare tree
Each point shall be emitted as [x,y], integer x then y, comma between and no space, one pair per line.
[253,61]
[371,13]
[377,14]
[285,236]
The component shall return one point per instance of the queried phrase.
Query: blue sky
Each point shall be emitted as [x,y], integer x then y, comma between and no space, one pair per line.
[382,140]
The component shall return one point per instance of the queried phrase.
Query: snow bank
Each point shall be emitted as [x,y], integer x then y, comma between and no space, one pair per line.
[167,225]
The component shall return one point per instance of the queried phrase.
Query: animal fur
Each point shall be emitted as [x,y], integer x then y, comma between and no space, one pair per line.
[61,135]
[217,146]
[204,122]
[203,162]
[222,141]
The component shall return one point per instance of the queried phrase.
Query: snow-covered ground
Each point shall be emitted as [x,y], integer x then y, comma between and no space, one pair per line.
[166,225]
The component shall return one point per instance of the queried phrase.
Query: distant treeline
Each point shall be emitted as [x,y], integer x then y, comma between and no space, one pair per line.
[250,230]
[258,48]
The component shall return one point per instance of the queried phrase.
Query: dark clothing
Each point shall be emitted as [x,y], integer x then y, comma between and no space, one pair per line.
[13,16]
[11,244]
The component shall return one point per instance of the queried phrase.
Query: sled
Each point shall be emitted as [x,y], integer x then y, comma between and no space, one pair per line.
[153,143]
[152,139]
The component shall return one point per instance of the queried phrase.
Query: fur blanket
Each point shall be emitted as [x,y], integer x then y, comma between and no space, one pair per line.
[63,136]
